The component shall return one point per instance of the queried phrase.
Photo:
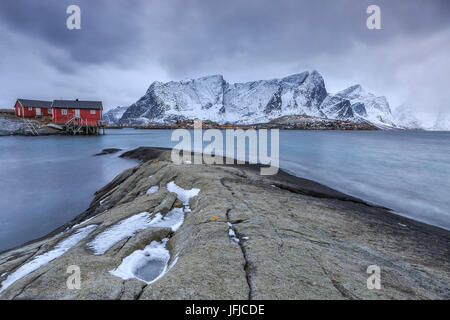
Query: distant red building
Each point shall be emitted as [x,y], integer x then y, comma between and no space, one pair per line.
[88,113]
[25,108]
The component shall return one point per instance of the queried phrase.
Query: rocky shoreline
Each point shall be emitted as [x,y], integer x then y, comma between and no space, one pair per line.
[225,232]
[13,126]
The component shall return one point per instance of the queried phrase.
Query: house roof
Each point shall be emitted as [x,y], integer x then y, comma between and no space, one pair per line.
[77,104]
[35,103]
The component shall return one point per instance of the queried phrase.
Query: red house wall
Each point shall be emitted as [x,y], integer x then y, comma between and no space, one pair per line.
[26,111]
[30,113]
[46,112]
[17,106]
[85,115]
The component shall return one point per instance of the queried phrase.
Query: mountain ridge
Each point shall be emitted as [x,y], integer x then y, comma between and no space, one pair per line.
[213,98]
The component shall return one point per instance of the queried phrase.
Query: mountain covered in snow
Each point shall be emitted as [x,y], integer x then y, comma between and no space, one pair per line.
[213,98]
[114,115]
[406,119]
[442,122]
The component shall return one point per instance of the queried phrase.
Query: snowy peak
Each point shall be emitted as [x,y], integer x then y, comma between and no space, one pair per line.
[442,122]
[355,90]
[354,103]
[295,79]
[112,116]
[213,98]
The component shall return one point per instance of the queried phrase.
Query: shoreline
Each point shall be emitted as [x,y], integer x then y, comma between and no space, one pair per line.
[303,186]
[401,229]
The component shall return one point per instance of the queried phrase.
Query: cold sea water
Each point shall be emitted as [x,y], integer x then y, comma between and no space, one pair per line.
[47,181]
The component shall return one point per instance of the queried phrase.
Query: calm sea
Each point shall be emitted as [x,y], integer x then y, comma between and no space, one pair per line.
[47,181]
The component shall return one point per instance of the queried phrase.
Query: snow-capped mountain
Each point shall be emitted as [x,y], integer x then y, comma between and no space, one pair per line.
[114,115]
[354,103]
[405,118]
[213,98]
[442,122]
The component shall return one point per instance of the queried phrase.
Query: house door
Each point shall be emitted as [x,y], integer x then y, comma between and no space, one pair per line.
[38,111]
[77,113]
[18,112]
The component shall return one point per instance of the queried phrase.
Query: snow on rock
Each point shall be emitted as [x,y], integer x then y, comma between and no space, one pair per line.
[43,259]
[130,226]
[152,190]
[213,98]
[183,195]
[354,103]
[82,223]
[147,265]
[151,263]
[406,119]
[231,233]
[119,231]
[112,116]
[173,219]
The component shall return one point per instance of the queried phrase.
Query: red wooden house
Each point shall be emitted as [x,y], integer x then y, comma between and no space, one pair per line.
[87,113]
[26,108]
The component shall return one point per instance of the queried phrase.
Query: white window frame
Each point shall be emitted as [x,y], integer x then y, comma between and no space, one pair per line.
[50,110]
[64,112]
[93,111]
[30,108]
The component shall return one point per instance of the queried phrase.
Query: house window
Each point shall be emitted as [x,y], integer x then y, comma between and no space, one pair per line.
[50,111]
[64,112]
[92,111]
[30,108]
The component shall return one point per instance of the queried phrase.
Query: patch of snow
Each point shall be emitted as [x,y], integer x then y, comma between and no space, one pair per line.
[83,222]
[232,234]
[174,262]
[119,231]
[173,219]
[183,195]
[103,200]
[152,190]
[130,226]
[41,260]
[147,265]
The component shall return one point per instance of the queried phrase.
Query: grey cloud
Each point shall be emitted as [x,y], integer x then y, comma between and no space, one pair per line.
[132,43]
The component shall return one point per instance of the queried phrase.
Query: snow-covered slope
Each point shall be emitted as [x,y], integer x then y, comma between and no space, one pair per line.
[405,118]
[442,122]
[112,116]
[354,103]
[212,98]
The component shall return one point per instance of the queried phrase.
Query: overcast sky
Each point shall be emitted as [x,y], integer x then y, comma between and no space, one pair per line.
[123,46]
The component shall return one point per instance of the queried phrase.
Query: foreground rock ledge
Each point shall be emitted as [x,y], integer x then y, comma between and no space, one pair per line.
[305,241]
